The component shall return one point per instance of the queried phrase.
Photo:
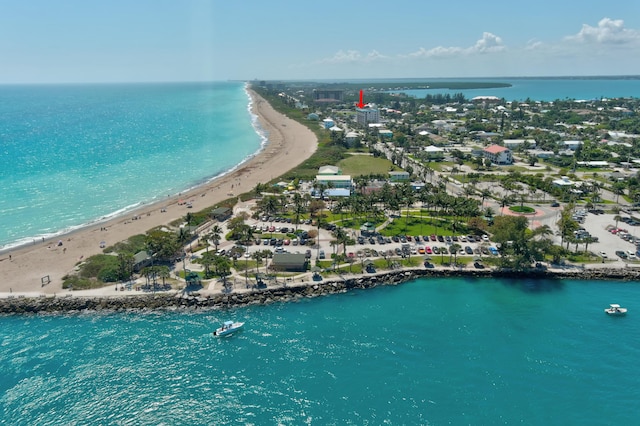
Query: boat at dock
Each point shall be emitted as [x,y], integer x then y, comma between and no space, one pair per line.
[228,328]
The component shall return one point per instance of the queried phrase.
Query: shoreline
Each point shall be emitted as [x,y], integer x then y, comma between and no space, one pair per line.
[23,268]
[262,133]
[202,300]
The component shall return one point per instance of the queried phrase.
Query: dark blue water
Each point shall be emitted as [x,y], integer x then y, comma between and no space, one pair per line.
[433,351]
[547,89]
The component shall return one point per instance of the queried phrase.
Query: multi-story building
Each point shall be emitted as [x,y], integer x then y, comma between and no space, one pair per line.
[498,154]
[367,115]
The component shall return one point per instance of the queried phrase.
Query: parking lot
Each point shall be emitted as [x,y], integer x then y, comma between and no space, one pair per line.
[599,225]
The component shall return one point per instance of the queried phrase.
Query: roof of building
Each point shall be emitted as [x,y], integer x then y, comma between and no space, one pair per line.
[333,177]
[495,149]
[337,192]
[220,211]
[289,258]
[330,170]
[433,148]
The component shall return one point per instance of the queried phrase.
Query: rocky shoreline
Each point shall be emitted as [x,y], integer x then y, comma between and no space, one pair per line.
[194,301]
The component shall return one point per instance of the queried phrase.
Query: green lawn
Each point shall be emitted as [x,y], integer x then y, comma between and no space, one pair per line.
[428,226]
[356,165]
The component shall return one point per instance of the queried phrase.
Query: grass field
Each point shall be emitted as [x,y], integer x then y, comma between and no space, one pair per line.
[356,165]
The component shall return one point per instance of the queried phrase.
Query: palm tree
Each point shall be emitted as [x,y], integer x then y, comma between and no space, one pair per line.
[257,256]
[504,202]
[206,262]
[214,234]
[453,251]
[484,194]
[298,207]
[341,237]
[617,218]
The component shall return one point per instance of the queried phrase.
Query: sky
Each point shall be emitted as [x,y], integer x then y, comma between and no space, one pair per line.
[81,41]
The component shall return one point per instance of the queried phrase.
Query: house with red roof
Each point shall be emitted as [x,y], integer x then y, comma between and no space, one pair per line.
[498,154]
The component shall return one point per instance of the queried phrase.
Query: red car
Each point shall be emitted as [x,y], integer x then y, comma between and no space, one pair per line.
[428,250]
[433,237]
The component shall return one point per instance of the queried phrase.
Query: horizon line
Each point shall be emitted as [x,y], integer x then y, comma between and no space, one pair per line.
[535,77]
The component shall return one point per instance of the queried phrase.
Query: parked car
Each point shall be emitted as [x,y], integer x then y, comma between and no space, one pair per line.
[468,250]
[621,254]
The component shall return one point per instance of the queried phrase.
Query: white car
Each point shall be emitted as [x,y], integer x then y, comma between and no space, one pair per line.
[603,254]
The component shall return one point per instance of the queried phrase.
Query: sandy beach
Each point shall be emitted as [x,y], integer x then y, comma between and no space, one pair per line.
[290,143]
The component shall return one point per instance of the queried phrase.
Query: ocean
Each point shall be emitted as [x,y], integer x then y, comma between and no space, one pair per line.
[76,154]
[432,351]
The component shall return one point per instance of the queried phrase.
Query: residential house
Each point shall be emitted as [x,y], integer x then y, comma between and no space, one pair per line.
[572,145]
[351,138]
[434,152]
[385,133]
[514,144]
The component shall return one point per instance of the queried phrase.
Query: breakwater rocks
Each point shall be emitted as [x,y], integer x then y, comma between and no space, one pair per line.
[193,301]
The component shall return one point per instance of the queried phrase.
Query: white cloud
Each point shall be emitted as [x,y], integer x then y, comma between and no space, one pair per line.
[344,56]
[533,45]
[489,43]
[608,31]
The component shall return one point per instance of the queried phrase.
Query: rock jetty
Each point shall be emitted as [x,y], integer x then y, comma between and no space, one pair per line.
[195,300]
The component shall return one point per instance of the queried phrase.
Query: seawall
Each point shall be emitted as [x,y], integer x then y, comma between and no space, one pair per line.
[195,300]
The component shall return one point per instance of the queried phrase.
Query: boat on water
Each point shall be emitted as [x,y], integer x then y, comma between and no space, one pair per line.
[228,328]
[615,310]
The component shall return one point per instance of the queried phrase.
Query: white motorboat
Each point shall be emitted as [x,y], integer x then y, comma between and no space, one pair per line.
[615,310]
[228,328]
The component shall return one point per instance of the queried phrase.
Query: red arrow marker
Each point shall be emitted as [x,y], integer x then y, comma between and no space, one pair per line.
[360,104]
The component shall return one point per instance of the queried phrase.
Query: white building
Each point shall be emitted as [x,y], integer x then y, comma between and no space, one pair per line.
[498,154]
[367,115]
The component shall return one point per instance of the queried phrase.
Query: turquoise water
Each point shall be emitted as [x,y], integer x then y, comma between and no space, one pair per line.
[433,351]
[547,89]
[76,153]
